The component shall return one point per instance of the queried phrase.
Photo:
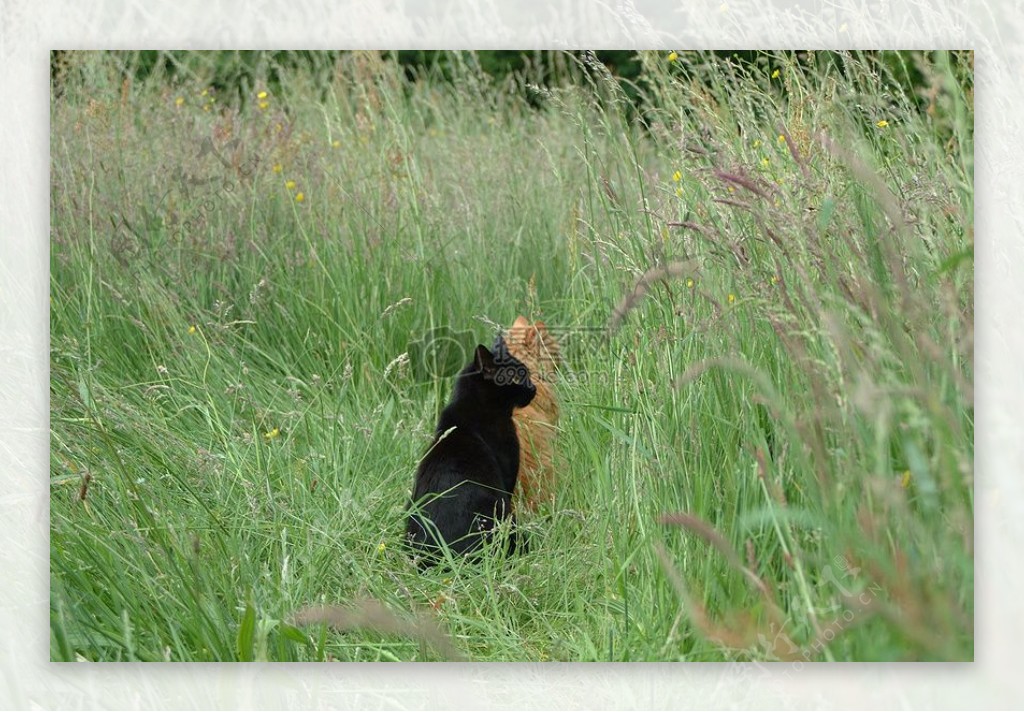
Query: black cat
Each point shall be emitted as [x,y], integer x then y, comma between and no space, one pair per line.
[464,482]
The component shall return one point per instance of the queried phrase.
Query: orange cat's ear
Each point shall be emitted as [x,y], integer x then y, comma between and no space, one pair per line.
[520,322]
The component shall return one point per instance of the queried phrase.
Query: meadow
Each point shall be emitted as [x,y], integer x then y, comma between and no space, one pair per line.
[763,285]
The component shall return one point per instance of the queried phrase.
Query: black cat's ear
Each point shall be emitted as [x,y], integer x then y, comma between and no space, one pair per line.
[483,359]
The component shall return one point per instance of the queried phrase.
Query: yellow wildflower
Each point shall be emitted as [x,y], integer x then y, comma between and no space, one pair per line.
[905,481]
[882,124]
[262,95]
[336,143]
[775,74]
[381,547]
[270,435]
[289,184]
[299,197]
[677,176]
[732,297]
[782,138]
[264,105]
[757,142]
[277,168]
[179,101]
[204,92]
[192,329]
[765,161]
[673,56]
[689,284]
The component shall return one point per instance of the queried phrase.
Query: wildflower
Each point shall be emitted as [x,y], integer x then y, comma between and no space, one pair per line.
[775,279]
[732,297]
[204,92]
[299,197]
[262,95]
[905,480]
[289,184]
[679,192]
[782,138]
[192,329]
[381,547]
[775,74]
[673,56]
[765,161]
[179,101]
[730,189]
[882,124]
[270,435]
[757,143]
[277,168]
[336,143]
[677,176]
[263,105]
[689,284]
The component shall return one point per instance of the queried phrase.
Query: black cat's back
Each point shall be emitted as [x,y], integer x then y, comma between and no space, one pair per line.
[458,489]
[464,482]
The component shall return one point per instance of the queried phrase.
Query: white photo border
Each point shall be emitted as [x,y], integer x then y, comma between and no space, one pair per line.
[29,30]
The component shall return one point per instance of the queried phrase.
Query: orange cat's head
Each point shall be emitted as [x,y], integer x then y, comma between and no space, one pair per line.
[534,345]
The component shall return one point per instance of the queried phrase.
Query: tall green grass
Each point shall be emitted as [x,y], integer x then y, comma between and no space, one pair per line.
[765,297]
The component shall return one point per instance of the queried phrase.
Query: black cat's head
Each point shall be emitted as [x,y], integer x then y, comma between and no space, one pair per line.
[501,376]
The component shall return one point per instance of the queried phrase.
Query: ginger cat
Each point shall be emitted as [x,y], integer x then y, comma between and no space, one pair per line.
[537,422]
